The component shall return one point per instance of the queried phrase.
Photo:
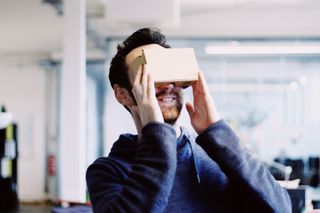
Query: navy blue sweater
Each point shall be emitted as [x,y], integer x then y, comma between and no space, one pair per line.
[213,173]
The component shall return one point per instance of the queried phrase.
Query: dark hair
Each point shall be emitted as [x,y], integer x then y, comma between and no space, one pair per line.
[118,72]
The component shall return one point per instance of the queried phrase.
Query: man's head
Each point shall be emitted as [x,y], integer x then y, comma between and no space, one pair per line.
[121,78]
[118,68]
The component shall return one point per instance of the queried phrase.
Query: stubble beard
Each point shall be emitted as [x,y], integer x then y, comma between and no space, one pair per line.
[171,113]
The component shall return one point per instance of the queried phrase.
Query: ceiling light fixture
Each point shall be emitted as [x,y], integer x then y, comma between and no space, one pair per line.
[261,50]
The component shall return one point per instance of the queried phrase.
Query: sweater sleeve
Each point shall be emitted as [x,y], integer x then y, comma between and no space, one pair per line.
[148,185]
[252,188]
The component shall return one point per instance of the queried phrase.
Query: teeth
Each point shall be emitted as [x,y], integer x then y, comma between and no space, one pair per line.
[167,99]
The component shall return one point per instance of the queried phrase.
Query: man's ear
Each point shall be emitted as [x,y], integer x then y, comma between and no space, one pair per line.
[123,96]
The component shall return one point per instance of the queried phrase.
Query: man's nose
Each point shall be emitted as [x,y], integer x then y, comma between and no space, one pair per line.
[167,87]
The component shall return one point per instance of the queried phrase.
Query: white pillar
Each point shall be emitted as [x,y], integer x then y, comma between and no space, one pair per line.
[72,162]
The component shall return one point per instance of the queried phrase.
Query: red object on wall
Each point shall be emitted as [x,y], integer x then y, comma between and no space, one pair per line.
[51,165]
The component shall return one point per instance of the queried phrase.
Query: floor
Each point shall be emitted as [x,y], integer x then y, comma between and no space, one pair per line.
[49,209]
[34,209]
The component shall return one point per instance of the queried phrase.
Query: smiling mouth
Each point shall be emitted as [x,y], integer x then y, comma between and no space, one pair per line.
[166,98]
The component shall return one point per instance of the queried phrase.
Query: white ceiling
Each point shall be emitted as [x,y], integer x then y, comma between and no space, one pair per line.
[33,27]
[29,26]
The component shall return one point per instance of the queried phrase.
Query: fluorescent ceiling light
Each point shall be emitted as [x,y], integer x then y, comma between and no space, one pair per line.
[261,50]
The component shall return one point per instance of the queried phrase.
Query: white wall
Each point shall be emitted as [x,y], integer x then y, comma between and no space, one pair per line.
[92,136]
[22,90]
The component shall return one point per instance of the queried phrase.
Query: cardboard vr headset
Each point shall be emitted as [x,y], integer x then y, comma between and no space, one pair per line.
[170,65]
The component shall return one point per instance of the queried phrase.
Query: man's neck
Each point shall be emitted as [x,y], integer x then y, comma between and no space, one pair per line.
[177,128]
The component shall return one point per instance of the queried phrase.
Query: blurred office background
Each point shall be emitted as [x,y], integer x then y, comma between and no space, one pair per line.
[261,59]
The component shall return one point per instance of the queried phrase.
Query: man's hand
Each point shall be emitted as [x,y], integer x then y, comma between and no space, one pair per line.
[147,104]
[203,111]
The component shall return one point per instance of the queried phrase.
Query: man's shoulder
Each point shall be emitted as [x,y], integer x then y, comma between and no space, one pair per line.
[102,162]
[108,165]
[124,149]
[121,154]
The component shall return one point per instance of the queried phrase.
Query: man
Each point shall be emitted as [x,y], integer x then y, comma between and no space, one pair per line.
[163,168]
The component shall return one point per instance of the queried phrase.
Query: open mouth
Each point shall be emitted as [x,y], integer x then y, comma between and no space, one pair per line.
[166,98]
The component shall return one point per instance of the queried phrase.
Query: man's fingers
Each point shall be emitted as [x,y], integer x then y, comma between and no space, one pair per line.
[138,77]
[151,89]
[190,109]
[139,86]
[203,82]
[200,87]
[144,80]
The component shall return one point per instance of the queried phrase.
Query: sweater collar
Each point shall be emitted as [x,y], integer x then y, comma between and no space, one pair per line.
[127,146]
